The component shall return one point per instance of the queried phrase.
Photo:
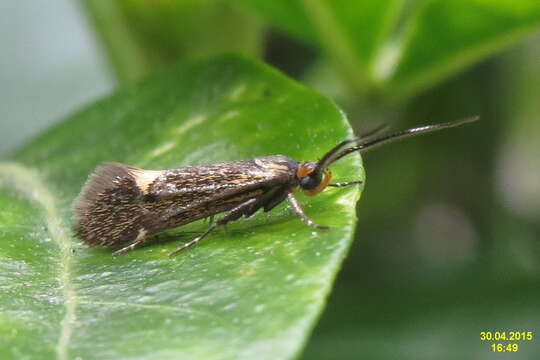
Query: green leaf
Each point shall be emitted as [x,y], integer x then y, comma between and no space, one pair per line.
[384,46]
[350,32]
[254,290]
[445,36]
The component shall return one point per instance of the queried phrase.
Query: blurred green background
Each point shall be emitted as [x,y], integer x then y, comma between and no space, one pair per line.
[448,238]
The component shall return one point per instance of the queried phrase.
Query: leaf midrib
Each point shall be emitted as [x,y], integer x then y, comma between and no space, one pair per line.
[29,183]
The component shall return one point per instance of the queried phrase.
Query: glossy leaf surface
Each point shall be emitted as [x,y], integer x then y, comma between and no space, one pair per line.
[254,290]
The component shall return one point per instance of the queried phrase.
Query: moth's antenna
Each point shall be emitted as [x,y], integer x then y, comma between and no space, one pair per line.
[327,159]
[371,144]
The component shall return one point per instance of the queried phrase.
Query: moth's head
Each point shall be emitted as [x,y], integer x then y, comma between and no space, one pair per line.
[314,177]
[312,180]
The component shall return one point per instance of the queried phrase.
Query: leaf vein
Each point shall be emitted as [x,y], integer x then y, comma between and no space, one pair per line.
[28,182]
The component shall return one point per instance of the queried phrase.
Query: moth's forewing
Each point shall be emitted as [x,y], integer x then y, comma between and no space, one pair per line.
[119,203]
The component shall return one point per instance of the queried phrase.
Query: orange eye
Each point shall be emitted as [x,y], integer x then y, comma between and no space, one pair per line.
[324,183]
[304,170]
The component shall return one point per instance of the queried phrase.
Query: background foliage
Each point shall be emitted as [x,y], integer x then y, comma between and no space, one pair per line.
[447,240]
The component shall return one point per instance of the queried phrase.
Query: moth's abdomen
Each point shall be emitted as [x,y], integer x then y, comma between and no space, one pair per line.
[108,210]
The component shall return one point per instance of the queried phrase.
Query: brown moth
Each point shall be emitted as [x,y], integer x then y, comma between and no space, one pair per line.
[124,205]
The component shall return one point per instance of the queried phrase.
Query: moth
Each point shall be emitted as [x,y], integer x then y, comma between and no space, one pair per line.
[121,205]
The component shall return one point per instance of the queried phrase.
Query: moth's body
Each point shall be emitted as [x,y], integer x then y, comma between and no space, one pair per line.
[123,205]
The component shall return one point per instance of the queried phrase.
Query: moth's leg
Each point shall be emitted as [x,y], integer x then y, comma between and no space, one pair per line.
[209,219]
[233,214]
[275,199]
[130,247]
[298,210]
[347,183]
[141,238]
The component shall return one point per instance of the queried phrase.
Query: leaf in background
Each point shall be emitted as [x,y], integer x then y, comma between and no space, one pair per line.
[349,32]
[375,47]
[253,291]
[445,36]
[140,36]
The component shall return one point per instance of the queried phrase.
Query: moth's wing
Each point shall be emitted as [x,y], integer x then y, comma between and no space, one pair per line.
[208,182]
[119,203]
[192,193]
